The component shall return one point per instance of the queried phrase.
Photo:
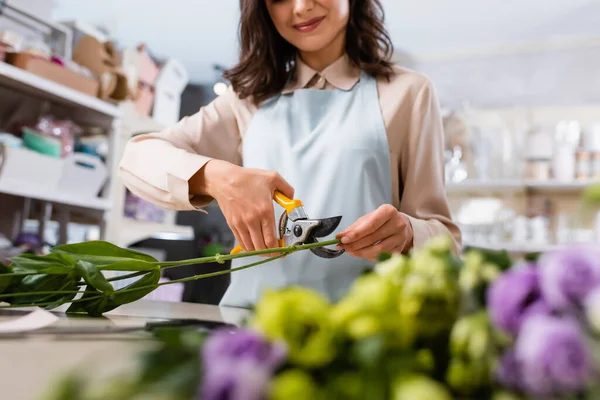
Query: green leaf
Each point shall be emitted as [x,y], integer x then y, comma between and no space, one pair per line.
[46,264]
[131,265]
[150,279]
[43,283]
[383,257]
[99,252]
[93,276]
[107,302]
[6,281]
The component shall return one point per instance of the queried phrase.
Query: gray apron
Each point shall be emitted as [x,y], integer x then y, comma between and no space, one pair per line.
[331,146]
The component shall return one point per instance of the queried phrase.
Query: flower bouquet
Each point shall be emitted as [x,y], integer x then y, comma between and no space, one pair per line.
[427,325]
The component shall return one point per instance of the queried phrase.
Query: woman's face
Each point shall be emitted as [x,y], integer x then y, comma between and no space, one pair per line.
[309,25]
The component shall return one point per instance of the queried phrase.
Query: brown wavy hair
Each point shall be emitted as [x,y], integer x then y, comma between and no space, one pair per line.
[267,60]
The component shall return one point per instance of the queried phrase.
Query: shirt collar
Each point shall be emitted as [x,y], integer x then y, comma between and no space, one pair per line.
[342,74]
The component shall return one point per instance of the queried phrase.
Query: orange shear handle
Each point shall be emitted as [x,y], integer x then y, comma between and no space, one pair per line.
[288,204]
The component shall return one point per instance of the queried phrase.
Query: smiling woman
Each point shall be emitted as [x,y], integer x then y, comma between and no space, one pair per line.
[316,111]
[274,31]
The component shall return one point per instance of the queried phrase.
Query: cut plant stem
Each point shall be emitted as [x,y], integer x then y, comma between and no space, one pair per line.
[221,258]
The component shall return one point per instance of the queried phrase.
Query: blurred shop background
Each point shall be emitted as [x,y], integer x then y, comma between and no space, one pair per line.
[518,81]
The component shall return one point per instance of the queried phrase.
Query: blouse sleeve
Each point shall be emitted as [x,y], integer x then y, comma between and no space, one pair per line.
[424,198]
[157,166]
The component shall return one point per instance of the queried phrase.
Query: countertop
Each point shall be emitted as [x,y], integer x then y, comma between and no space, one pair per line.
[30,363]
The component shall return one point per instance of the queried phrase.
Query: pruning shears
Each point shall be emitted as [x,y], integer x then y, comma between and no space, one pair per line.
[295,228]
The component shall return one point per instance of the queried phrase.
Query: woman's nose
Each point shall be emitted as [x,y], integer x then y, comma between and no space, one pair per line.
[303,6]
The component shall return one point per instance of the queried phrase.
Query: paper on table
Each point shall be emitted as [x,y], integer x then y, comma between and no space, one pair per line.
[34,320]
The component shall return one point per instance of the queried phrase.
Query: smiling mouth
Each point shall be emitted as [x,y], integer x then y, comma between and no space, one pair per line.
[309,26]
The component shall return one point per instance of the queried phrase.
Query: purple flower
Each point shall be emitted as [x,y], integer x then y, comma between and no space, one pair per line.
[230,380]
[552,356]
[568,276]
[238,364]
[509,371]
[243,344]
[514,296]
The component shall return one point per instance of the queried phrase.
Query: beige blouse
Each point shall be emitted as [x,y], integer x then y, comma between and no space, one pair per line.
[157,166]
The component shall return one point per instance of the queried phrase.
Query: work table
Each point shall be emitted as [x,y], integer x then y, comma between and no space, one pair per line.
[30,363]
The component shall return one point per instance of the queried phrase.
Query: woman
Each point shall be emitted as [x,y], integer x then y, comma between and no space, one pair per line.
[316,111]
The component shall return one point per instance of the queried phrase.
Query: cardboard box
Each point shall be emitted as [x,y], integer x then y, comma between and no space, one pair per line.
[147,74]
[171,82]
[54,72]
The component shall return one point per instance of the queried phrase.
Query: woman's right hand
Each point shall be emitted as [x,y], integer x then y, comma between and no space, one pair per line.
[245,197]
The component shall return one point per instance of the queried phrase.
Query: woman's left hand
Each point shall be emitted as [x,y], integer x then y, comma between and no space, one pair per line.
[385,230]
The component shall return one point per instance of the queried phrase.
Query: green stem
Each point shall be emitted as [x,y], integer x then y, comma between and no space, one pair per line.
[132,275]
[202,276]
[50,303]
[222,258]
[281,251]
[20,294]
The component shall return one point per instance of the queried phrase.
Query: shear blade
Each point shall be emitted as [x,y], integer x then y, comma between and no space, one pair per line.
[326,226]
[324,252]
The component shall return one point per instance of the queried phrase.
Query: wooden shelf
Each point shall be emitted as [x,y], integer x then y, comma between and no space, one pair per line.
[27,82]
[65,198]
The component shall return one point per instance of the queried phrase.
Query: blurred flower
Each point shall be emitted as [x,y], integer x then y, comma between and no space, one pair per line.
[504,395]
[514,296]
[471,349]
[429,301]
[237,365]
[293,384]
[476,271]
[467,377]
[300,318]
[357,314]
[567,276]
[591,195]
[553,356]
[471,337]
[418,387]
[393,269]
[243,344]
[231,380]
[345,385]
[439,245]
[592,309]
[508,373]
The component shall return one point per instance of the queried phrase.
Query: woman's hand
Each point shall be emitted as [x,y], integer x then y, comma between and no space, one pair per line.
[383,230]
[245,197]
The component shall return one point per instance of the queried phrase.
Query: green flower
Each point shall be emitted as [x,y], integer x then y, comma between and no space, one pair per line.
[430,301]
[293,384]
[472,352]
[471,337]
[300,317]
[467,377]
[439,245]
[370,308]
[476,271]
[394,269]
[591,195]
[504,395]
[345,385]
[418,387]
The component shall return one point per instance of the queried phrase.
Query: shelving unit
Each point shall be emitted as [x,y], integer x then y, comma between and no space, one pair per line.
[515,186]
[31,84]
[66,199]
[84,109]
[124,122]
[515,247]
